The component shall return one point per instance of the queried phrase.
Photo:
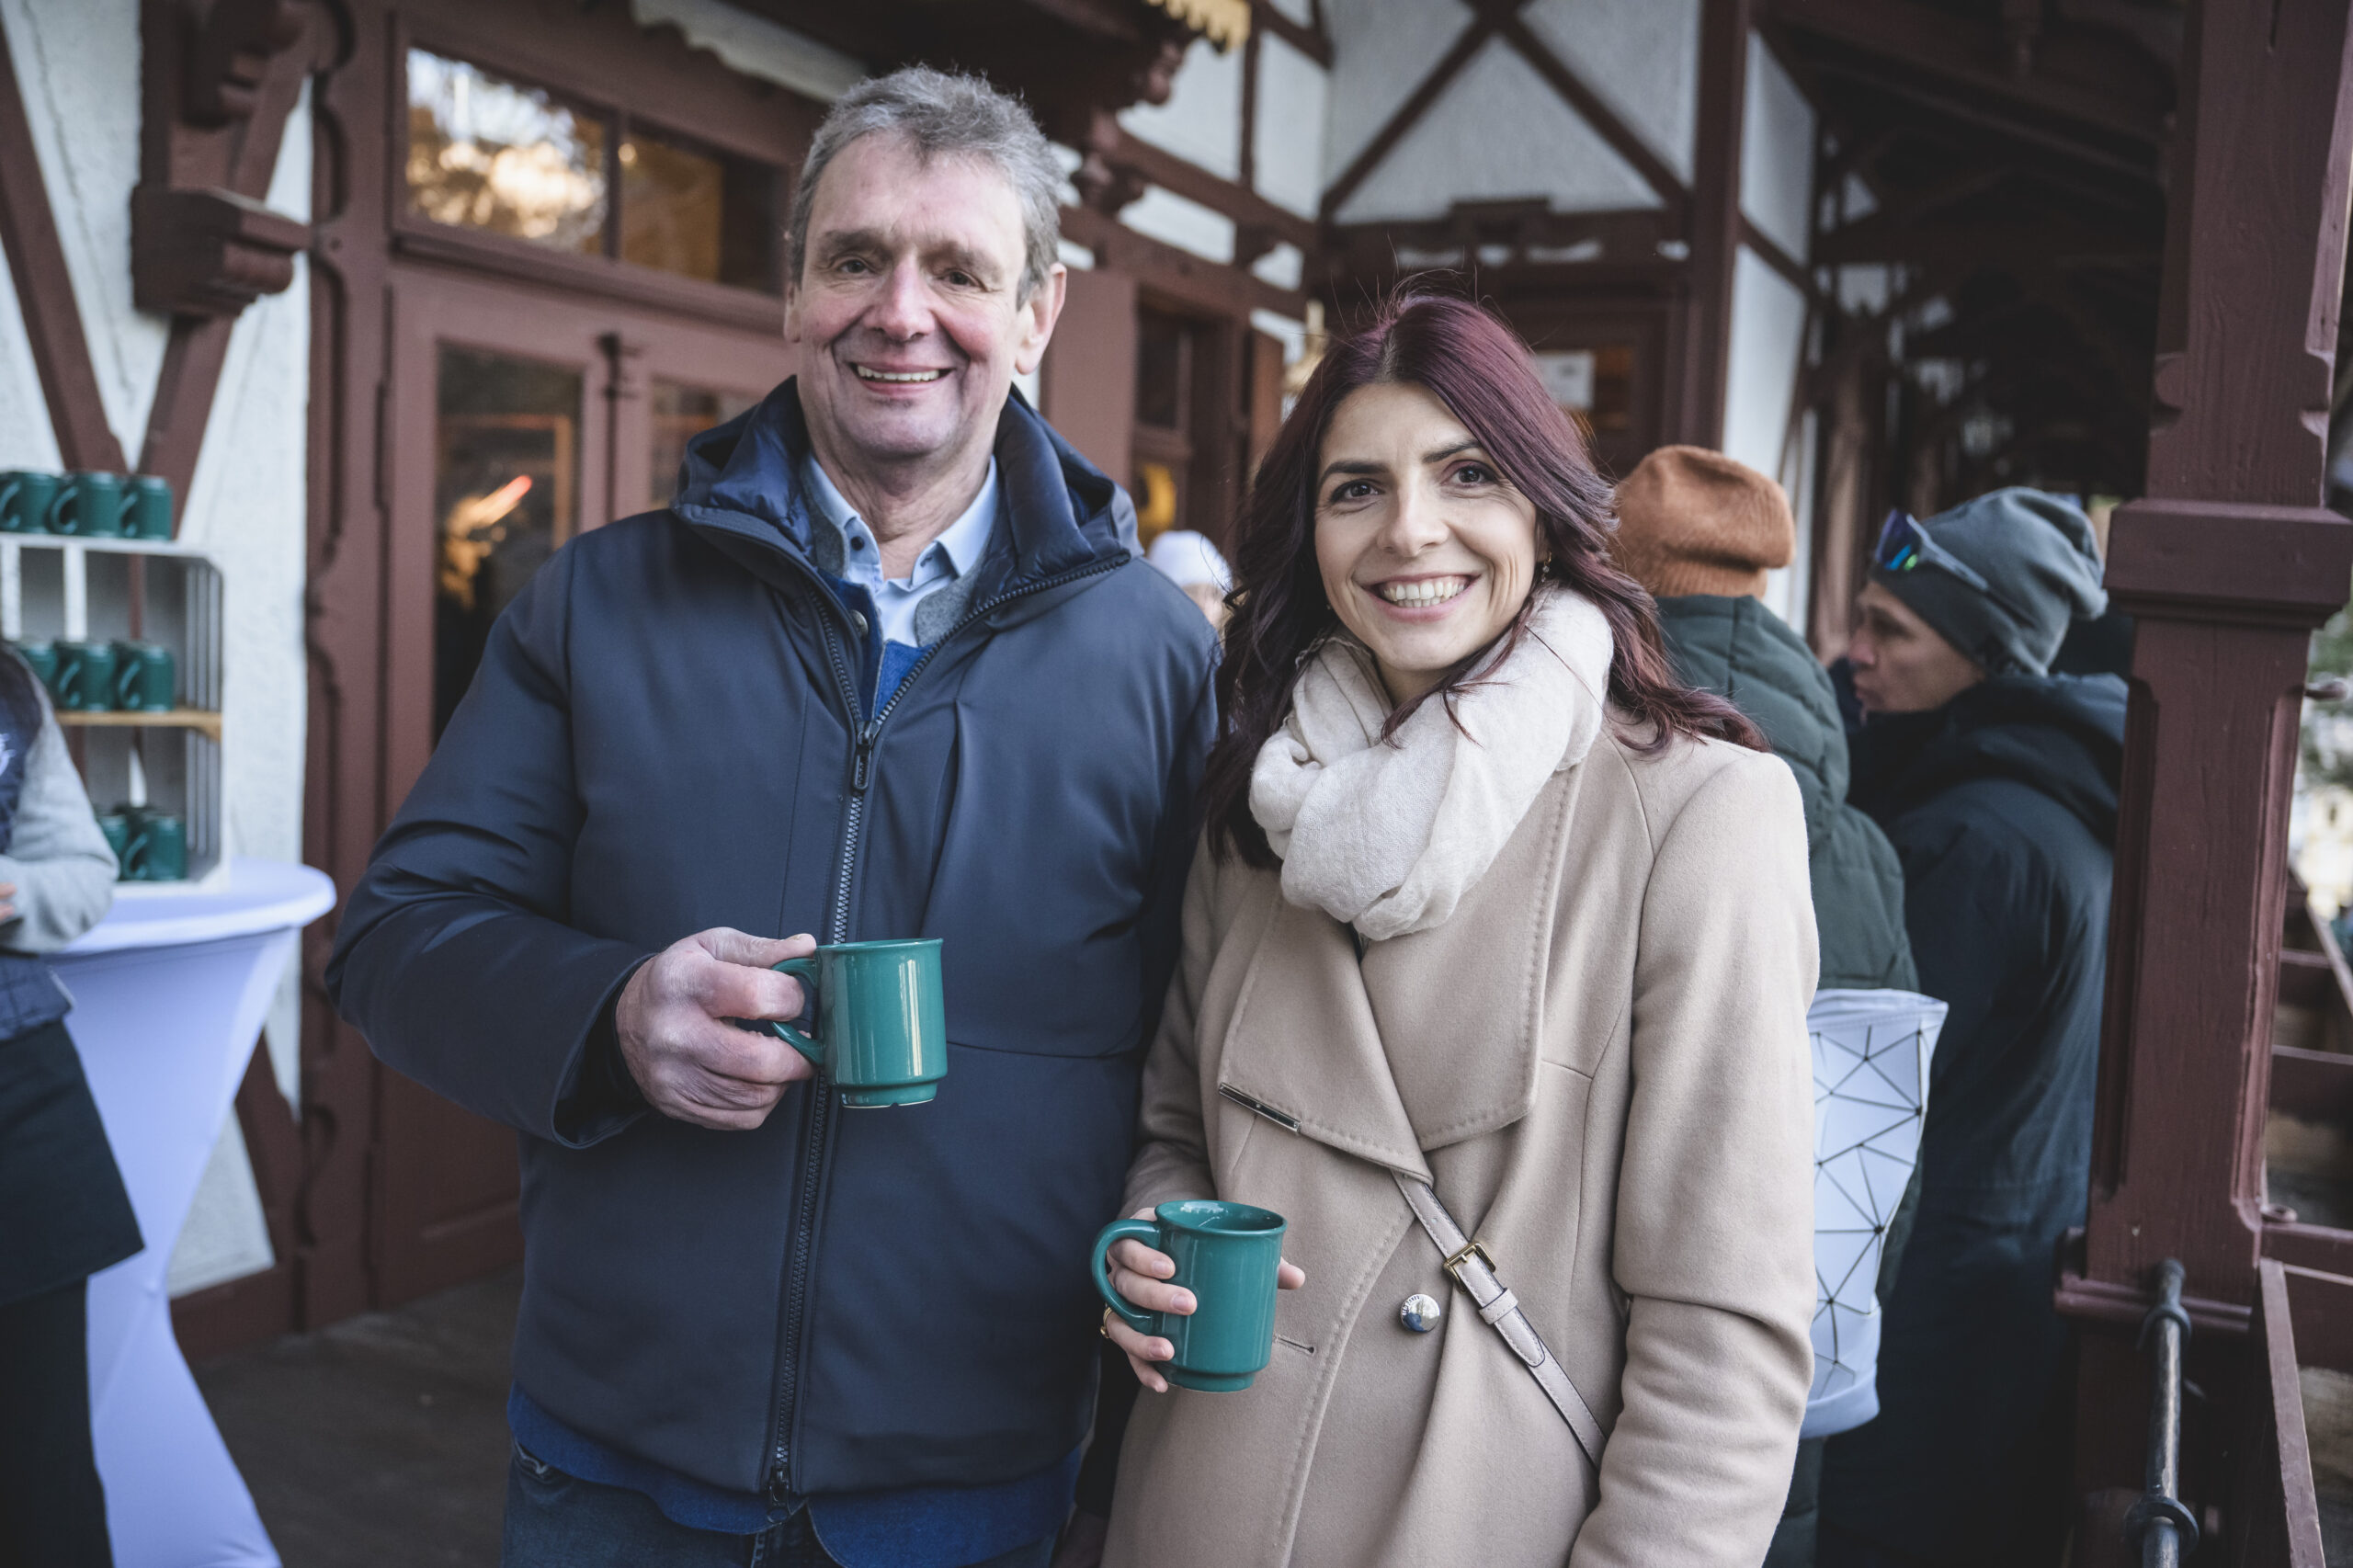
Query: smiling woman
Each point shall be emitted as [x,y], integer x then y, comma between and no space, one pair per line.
[1425,449]
[1476,866]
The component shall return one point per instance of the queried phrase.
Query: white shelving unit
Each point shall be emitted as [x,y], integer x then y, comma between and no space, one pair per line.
[72,589]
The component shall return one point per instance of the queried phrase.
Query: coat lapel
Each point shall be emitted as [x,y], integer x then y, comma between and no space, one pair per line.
[1433,1038]
[1460,1007]
[1303,1045]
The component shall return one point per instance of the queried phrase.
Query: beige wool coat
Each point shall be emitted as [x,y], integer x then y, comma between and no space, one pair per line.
[1600,1060]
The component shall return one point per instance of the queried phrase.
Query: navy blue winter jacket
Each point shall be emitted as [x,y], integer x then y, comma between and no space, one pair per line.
[674,729]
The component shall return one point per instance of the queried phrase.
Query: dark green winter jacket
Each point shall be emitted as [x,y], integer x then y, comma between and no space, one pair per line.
[1741,651]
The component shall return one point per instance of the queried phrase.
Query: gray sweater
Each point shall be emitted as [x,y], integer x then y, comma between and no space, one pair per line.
[58,860]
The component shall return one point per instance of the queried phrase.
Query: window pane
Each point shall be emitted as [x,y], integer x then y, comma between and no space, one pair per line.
[700,213]
[489,154]
[506,473]
[680,413]
[1161,392]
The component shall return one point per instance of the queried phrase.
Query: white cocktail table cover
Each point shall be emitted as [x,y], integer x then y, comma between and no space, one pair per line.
[169,994]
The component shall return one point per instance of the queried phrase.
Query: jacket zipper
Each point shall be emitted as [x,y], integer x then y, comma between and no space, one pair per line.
[818,1120]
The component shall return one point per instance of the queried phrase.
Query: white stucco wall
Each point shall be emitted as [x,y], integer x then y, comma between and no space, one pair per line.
[78,67]
[1498,131]
[1201,121]
[1641,57]
[1776,152]
[1767,335]
[1382,49]
[1288,139]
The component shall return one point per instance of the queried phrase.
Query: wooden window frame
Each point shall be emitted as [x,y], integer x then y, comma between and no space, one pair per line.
[618,106]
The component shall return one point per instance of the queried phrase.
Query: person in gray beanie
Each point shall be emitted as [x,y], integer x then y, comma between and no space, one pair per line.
[1996,782]
[2000,578]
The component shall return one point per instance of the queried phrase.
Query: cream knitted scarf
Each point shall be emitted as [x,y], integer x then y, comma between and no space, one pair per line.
[1388,835]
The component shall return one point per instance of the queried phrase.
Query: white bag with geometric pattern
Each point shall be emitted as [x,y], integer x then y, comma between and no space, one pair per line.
[1870,1091]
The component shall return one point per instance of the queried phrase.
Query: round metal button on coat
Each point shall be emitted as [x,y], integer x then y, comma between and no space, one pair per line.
[1421,1313]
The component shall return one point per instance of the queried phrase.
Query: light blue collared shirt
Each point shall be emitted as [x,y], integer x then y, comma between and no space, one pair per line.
[952,555]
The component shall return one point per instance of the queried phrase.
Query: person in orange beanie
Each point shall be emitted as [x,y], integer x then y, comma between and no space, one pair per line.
[1700,531]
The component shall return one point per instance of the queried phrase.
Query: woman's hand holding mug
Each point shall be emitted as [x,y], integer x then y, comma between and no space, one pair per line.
[1140,1274]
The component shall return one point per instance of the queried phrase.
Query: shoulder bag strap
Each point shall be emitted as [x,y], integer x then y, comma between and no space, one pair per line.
[1475,1272]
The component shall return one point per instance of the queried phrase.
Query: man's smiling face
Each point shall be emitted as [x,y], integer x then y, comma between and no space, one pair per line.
[907,312]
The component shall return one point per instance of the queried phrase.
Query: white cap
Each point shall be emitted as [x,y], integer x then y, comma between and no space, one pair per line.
[1185,558]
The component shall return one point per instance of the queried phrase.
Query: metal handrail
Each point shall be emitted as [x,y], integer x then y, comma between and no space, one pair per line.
[2166,1530]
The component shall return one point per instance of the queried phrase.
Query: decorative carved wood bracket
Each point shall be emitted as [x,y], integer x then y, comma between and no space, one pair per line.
[219,83]
[207,253]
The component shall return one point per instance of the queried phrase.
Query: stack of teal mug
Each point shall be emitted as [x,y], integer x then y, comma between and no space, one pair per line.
[149,845]
[86,505]
[123,677]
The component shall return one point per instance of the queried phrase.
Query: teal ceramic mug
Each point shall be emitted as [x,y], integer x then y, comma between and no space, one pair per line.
[84,676]
[158,849]
[90,505]
[118,829]
[25,496]
[147,507]
[1226,1255]
[881,1024]
[40,657]
[147,678]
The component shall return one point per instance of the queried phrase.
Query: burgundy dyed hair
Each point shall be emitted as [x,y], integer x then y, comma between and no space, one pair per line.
[1480,369]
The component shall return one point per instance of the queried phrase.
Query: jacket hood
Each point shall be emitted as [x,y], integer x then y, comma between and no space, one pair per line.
[2062,735]
[743,479]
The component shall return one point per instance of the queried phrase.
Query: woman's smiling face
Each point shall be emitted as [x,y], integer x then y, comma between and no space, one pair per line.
[1426,552]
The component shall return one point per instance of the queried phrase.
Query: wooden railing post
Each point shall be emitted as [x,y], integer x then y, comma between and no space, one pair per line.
[2228,565]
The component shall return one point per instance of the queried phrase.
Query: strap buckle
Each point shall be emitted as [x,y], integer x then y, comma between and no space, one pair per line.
[1464,1255]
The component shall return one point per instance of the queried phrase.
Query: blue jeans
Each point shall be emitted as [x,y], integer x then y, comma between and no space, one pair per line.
[554,1520]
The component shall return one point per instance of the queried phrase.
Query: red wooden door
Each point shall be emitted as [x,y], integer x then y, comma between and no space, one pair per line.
[514,421]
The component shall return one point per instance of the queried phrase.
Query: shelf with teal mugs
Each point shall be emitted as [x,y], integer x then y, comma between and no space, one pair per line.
[127,633]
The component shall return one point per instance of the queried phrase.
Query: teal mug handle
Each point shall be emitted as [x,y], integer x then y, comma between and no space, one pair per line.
[133,853]
[805,971]
[1118,1231]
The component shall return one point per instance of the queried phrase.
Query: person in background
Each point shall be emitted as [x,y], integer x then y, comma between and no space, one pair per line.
[1996,782]
[888,666]
[1194,564]
[63,1213]
[1700,531]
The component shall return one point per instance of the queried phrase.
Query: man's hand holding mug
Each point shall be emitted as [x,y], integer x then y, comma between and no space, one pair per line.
[689,1059]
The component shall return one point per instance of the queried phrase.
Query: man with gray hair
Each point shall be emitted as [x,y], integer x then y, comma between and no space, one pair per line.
[886,667]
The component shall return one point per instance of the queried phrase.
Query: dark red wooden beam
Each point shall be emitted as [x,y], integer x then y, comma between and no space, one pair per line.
[1715,225]
[1245,206]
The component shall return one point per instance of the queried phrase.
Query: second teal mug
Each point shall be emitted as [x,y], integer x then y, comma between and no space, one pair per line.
[147,678]
[158,848]
[1226,1255]
[881,1023]
[84,676]
[90,505]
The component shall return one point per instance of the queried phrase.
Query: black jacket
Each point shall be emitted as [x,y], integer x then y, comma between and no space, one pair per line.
[2002,805]
[1744,653]
[670,732]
